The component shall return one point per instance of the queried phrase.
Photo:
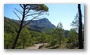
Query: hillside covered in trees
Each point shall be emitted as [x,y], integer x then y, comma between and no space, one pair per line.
[29,37]
[39,25]
[15,25]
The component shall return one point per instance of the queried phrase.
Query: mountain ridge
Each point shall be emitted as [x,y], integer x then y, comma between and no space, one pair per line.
[37,25]
[44,22]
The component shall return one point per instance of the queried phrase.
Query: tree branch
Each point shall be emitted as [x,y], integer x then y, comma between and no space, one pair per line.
[31,14]
[18,11]
[16,15]
[28,11]
[21,6]
[32,19]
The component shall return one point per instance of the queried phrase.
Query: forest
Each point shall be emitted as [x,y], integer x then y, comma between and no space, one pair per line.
[18,35]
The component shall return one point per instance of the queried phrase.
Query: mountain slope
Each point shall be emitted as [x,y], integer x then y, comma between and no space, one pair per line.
[36,25]
[40,25]
[10,25]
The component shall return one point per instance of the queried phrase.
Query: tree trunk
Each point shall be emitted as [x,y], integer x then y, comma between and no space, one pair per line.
[80,27]
[20,28]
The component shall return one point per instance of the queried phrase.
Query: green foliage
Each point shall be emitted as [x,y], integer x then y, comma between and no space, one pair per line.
[44,7]
[72,36]
[25,38]
[60,32]
[9,32]
[43,35]
[7,25]
[57,35]
[75,23]
[72,39]
[7,40]
[39,7]
[36,7]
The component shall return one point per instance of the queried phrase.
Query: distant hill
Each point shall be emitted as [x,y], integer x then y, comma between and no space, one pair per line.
[40,25]
[36,25]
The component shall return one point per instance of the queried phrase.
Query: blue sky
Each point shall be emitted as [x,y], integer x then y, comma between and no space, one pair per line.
[64,13]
